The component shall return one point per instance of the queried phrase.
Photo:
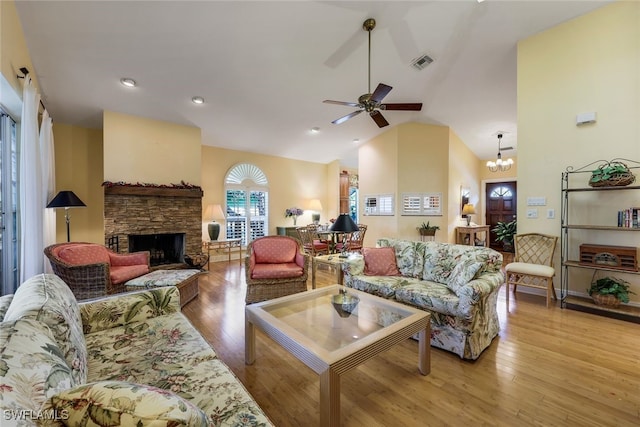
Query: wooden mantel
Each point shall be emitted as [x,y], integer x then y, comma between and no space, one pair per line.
[133,190]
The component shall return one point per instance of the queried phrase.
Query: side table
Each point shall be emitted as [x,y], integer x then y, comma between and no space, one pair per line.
[229,245]
[472,231]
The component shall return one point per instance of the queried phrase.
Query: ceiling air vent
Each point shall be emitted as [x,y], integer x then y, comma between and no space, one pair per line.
[421,62]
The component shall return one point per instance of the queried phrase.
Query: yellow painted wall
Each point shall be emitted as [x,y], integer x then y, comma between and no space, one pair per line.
[423,153]
[137,149]
[291,182]
[79,169]
[589,64]
[464,171]
[13,47]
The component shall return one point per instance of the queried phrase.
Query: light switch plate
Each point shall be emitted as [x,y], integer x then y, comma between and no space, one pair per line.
[551,213]
[536,201]
[532,213]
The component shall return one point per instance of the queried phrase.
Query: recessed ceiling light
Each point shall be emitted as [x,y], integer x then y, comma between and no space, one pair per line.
[315,129]
[125,81]
[197,100]
[356,140]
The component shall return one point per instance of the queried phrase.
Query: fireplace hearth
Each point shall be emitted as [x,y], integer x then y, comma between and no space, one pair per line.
[164,248]
[151,211]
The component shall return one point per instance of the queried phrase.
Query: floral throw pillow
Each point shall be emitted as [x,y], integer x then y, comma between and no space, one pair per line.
[380,262]
[111,403]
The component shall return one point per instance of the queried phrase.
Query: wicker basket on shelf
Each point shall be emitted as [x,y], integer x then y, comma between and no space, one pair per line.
[612,174]
[605,300]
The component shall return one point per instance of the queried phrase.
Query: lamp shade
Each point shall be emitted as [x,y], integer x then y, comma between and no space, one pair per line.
[315,205]
[344,223]
[468,209]
[214,212]
[65,199]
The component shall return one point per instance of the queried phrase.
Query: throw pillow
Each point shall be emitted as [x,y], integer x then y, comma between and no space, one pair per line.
[111,403]
[462,274]
[380,262]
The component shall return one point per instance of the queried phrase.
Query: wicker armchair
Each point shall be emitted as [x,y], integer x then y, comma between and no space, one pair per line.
[275,266]
[91,270]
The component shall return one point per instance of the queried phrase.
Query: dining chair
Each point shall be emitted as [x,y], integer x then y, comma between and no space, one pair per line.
[533,264]
[311,242]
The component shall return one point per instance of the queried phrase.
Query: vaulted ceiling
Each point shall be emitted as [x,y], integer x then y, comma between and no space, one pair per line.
[264,67]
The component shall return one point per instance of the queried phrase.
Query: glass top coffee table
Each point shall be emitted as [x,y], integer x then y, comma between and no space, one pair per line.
[333,339]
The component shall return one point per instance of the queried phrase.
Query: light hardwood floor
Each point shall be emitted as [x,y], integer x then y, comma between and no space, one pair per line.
[547,367]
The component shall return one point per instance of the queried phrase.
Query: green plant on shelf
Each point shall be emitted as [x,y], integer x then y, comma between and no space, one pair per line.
[611,286]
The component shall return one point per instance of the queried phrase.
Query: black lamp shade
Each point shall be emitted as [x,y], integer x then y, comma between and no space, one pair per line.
[65,199]
[345,224]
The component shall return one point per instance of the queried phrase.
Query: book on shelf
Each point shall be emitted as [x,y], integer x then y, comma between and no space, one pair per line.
[629,218]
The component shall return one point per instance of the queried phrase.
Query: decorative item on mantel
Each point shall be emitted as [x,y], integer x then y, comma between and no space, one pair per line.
[293,213]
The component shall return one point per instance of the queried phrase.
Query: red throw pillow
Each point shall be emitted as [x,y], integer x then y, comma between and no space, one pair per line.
[380,262]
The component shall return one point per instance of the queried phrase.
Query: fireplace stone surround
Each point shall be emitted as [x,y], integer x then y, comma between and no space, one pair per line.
[149,210]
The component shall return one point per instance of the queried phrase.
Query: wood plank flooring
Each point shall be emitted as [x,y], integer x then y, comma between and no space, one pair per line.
[547,367]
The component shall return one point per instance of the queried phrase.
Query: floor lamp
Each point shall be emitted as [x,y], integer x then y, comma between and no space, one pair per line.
[66,200]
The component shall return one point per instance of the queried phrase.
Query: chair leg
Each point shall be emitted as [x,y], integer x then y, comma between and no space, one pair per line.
[506,291]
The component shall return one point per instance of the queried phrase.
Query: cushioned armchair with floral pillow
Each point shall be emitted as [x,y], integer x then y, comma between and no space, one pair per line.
[92,270]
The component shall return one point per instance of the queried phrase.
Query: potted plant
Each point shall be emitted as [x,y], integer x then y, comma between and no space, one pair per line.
[610,291]
[427,230]
[505,231]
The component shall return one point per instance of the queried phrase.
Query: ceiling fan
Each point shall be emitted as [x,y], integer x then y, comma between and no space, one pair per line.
[372,102]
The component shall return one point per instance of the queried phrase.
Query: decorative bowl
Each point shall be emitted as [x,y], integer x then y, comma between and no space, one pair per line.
[344,303]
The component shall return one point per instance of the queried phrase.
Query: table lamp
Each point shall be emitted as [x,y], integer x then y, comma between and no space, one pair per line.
[316,207]
[344,224]
[468,210]
[214,212]
[66,199]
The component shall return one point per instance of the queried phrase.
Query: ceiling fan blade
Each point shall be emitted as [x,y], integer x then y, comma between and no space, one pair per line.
[379,119]
[405,107]
[347,117]
[348,104]
[381,91]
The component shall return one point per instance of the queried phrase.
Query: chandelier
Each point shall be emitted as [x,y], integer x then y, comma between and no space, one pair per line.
[499,165]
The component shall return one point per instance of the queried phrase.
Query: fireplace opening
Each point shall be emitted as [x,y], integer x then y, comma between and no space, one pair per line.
[164,248]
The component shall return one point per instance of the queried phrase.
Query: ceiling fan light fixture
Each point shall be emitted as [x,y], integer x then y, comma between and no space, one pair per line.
[128,82]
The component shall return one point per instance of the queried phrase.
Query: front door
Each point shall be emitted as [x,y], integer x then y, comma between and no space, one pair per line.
[501,207]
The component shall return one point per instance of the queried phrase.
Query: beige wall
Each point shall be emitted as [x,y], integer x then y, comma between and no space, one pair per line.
[291,182]
[152,151]
[79,169]
[591,63]
[416,158]
[13,47]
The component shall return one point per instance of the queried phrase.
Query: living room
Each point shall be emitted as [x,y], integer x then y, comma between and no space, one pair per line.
[587,64]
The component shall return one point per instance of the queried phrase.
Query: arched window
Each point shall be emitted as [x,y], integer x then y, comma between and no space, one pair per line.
[501,192]
[247,210]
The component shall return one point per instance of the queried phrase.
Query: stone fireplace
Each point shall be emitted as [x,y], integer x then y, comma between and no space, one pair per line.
[151,214]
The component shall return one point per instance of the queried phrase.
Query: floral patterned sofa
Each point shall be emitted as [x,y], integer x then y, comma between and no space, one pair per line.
[130,360]
[457,284]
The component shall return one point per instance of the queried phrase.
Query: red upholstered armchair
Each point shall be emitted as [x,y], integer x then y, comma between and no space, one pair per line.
[91,270]
[275,266]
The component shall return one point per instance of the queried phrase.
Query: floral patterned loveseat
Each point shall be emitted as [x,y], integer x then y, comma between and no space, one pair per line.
[130,359]
[457,284]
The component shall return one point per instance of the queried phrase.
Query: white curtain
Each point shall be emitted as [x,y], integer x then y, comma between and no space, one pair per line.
[47,158]
[31,190]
